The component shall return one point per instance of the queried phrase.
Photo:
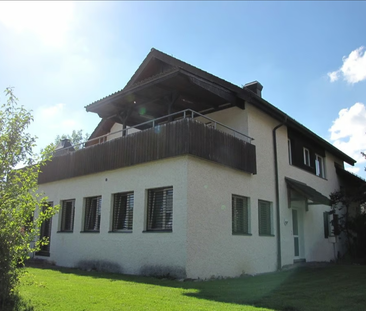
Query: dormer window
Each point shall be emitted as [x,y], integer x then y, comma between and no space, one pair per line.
[319,166]
[306,156]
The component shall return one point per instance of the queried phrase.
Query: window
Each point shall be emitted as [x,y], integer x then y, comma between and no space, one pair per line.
[122,211]
[306,156]
[265,217]
[319,166]
[160,209]
[240,215]
[67,215]
[289,151]
[45,233]
[331,224]
[93,206]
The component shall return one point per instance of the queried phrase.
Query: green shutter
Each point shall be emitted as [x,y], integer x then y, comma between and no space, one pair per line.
[264,218]
[240,215]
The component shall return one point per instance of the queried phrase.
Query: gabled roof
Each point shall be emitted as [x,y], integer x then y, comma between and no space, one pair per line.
[145,74]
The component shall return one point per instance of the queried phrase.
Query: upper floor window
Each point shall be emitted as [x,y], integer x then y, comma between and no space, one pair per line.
[122,211]
[67,215]
[319,166]
[289,151]
[306,156]
[93,206]
[160,209]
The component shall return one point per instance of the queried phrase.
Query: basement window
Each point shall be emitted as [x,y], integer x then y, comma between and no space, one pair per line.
[160,209]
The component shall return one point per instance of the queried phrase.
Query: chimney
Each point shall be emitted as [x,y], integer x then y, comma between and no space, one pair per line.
[63,147]
[255,87]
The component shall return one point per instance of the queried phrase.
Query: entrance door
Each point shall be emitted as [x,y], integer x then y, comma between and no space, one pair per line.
[295,230]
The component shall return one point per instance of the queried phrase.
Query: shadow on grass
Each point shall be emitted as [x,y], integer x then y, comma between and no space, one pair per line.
[332,287]
[18,304]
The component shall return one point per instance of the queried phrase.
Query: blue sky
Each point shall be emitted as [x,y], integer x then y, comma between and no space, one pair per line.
[309,56]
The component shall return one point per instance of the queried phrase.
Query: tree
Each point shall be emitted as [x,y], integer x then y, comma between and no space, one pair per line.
[349,203]
[76,138]
[21,206]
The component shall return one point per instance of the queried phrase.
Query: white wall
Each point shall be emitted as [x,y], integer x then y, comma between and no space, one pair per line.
[202,240]
[316,247]
[131,250]
[117,127]
[233,117]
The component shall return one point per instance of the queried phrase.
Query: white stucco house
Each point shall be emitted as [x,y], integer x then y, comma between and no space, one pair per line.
[194,175]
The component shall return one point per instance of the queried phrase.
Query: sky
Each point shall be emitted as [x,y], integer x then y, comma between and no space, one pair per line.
[310,57]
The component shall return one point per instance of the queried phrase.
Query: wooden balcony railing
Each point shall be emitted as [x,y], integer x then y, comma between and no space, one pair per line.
[182,137]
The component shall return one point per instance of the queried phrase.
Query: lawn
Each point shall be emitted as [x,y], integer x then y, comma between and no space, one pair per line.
[332,287]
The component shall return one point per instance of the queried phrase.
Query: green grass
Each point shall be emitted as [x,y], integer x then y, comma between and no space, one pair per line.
[333,287]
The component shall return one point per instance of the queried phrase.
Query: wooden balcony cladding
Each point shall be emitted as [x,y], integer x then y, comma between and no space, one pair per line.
[176,138]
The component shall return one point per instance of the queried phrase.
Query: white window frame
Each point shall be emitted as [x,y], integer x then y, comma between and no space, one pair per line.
[306,153]
[319,166]
[246,229]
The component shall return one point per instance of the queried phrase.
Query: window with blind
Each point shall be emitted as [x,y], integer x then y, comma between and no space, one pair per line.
[160,209]
[240,215]
[93,206]
[265,218]
[122,211]
[67,215]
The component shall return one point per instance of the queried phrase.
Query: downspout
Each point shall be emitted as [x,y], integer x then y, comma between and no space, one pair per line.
[277,186]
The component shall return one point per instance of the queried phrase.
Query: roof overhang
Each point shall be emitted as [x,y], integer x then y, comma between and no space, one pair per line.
[348,178]
[170,91]
[308,192]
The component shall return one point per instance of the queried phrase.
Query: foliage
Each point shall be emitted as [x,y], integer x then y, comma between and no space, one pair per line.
[76,138]
[19,205]
[314,287]
[351,218]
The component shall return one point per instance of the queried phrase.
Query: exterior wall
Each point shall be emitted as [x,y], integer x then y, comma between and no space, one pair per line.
[233,117]
[131,251]
[117,127]
[212,249]
[315,246]
[202,242]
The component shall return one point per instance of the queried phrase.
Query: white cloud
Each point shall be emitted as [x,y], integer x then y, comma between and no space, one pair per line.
[348,132]
[49,20]
[353,69]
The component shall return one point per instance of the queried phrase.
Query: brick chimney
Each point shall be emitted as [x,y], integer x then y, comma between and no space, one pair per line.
[255,87]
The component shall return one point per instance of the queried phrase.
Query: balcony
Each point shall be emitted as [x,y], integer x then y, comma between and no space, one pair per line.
[182,133]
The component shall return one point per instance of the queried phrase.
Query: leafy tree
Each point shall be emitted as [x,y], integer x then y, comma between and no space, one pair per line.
[76,138]
[349,203]
[21,213]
